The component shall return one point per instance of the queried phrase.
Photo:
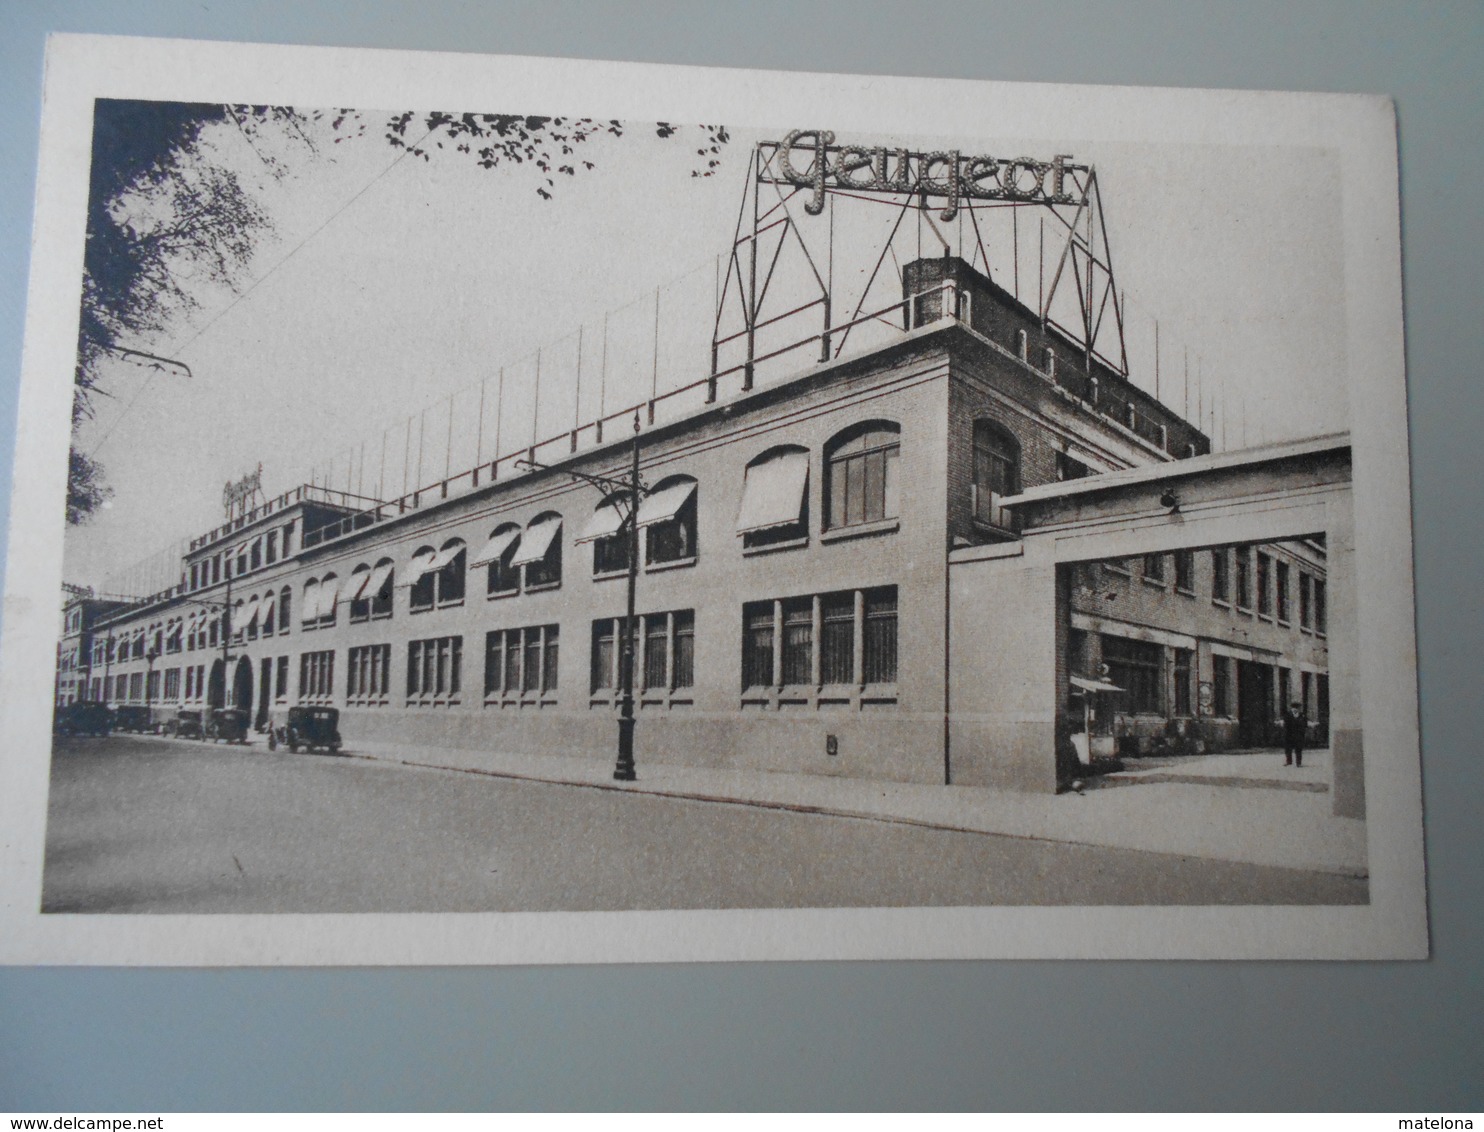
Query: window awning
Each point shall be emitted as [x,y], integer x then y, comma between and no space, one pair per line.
[310,612]
[537,541]
[355,587]
[378,580]
[422,563]
[1094,685]
[662,506]
[495,549]
[328,588]
[250,612]
[270,600]
[447,555]
[773,495]
[606,520]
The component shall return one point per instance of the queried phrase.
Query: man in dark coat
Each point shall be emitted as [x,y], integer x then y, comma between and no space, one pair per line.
[1294,728]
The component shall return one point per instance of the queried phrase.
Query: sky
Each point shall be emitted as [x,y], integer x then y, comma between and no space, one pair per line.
[396,298]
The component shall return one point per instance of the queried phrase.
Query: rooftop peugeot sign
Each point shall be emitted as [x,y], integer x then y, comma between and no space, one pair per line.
[944,173]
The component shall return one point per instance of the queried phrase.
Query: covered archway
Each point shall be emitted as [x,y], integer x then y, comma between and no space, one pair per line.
[1009,673]
[242,684]
[216,686]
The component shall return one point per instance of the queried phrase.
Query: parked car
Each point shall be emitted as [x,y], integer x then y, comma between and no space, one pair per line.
[227,725]
[131,717]
[186,725]
[82,719]
[307,727]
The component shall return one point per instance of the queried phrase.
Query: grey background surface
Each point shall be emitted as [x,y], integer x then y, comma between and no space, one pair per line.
[884,1035]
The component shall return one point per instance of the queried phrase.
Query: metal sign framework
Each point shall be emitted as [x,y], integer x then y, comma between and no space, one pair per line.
[1082,268]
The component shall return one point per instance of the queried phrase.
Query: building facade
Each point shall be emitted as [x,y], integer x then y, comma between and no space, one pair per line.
[793,584]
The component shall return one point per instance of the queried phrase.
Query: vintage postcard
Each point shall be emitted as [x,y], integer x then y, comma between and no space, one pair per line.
[483,510]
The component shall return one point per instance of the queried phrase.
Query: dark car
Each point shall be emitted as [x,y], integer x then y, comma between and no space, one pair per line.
[307,727]
[227,725]
[82,719]
[132,717]
[186,725]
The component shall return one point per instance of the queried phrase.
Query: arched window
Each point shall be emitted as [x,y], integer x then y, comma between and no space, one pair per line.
[285,608]
[540,552]
[667,515]
[502,578]
[310,611]
[329,597]
[238,623]
[861,474]
[379,588]
[451,569]
[423,572]
[355,592]
[775,499]
[609,533]
[996,473]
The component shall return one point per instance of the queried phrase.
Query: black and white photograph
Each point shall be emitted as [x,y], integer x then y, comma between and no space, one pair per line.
[812,519]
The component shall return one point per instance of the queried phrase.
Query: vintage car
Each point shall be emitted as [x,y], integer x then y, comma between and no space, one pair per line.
[187,724]
[82,719]
[132,717]
[307,727]
[227,725]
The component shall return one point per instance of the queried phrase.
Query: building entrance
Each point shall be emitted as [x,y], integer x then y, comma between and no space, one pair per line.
[216,686]
[1256,712]
[242,685]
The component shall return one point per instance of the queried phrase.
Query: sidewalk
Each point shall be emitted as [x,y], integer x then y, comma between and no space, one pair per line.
[1199,812]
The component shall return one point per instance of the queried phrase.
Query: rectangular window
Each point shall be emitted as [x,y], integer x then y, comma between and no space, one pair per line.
[1221,578]
[1221,680]
[664,644]
[136,686]
[837,638]
[1185,571]
[1244,577]
[190,683]
[1264,576]
[1154,568]
[856,633]
[1306,600]
[684,673]
[798,641]
[656,650]
[434,670]
[1306,693]
[605,655]
[880,653]
[1282,591]
[152,687]
[1138,668]
[611,555]
[317,676]
[172,683]
[1321,612]
[757,644]
[281,679]
[1183,658]
[367,674]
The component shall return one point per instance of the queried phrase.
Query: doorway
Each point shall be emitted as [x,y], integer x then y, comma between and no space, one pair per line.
[1255,713]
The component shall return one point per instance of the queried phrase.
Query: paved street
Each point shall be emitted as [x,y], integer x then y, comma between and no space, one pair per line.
[155,825]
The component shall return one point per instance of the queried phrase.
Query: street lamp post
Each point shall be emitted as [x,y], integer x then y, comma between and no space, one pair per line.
[631,488]
[149,678]
[623,771]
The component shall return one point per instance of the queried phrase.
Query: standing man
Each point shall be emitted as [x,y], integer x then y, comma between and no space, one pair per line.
[1294,728]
